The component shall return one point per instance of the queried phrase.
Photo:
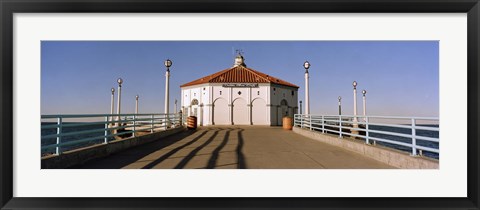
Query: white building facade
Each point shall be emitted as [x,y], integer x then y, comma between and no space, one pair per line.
[239,96]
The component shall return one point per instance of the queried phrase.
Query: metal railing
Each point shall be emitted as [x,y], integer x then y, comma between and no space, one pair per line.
[67,132]
[417,134]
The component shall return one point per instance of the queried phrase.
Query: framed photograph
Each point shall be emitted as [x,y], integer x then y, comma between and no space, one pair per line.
[265,104]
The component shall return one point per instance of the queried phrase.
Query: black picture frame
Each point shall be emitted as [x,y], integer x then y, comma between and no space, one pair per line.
[10,7]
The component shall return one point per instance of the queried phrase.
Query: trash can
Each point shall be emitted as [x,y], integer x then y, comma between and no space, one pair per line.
[192,123]
[287,123]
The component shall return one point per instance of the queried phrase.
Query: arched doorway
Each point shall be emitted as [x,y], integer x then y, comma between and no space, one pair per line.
[282,111]
[240,112]
[220,112]
[259,112]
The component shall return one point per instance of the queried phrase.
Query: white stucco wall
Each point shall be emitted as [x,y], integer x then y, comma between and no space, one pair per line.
[277,94]
[221,112]
[247,105]
[260,113]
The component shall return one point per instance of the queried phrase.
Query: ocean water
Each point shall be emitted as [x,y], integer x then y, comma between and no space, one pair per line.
[48,141]
[425,133]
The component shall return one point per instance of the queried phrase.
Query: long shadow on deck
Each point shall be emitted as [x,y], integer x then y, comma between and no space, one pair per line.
[213,159]
[194,152]
[240,157]
[124,158]
[173,151]
[132,155]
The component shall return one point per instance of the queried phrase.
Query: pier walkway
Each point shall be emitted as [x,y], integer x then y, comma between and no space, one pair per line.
[235,147]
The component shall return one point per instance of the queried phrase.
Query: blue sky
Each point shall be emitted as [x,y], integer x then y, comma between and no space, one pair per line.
[401,77]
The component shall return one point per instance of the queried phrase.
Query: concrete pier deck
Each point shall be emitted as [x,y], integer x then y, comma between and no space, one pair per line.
[236,147]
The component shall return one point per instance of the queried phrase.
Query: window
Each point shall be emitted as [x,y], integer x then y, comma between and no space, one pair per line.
[293,92]
[220,92]
[194,102]
[258,93]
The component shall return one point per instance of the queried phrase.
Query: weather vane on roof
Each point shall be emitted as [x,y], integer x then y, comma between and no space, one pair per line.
[239,60]
[239,51]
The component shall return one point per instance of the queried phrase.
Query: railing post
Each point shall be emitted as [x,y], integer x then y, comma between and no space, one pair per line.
[414,140]
[184,117]
[323,124]
[180,118]
[366,131]
[165,116]
[134,125]
[151,124]
[105,138]
[301,121]
[340,125]
[310,121]
[58,149]
[175,120]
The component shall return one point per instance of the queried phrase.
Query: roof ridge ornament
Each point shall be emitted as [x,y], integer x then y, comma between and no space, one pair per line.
[239,60]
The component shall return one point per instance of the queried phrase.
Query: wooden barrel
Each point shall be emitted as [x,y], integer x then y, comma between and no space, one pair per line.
[192,123]
[287,123]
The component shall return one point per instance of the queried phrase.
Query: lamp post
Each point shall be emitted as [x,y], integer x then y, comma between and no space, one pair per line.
[300,107]
[175,112]
[364,92]
[119,81]
[355,124]
[112,103]
[339,105]
[136,104]
[175,106]
[167,63]
[306,65]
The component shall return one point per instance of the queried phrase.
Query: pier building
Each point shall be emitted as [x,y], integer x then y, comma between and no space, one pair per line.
[239,95]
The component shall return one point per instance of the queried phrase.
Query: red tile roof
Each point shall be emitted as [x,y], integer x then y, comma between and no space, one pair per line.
[239,74]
